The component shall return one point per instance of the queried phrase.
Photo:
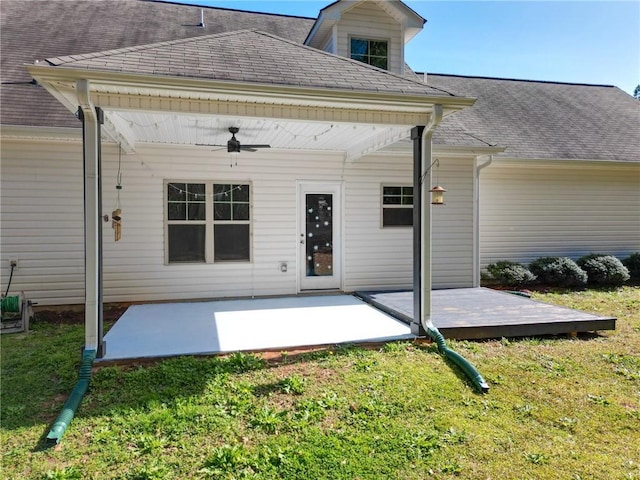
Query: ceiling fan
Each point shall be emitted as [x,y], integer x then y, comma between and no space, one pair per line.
[234,146]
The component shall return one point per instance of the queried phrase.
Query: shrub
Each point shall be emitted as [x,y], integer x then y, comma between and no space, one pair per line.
[604,270]
[510,273]
[558,272]
[632,262]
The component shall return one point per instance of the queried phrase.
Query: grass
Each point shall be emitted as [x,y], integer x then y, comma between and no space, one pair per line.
[565,408]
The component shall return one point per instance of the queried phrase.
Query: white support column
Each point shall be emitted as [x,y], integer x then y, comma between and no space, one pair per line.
[92,218]
[425,227]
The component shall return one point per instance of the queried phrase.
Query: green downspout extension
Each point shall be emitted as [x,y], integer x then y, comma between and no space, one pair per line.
[468,369]
[73,402]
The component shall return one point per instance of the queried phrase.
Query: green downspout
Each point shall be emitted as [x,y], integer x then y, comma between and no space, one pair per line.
[464,365]
[73,402]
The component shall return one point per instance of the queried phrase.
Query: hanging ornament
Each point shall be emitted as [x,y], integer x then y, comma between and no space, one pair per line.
[116,215]
[116,223]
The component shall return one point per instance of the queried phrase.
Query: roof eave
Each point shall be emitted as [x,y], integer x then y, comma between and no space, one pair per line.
[53,77]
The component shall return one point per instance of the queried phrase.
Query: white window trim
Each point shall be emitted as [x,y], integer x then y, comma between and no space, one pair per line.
[209,222]
[383,206]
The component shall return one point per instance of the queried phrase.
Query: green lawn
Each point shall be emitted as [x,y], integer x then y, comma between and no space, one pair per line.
[565,408]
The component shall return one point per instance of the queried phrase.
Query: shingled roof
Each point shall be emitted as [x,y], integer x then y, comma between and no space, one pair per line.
[544,120]
[38,29]
[249,56]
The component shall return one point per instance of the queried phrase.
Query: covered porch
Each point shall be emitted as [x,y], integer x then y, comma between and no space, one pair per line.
[177,102]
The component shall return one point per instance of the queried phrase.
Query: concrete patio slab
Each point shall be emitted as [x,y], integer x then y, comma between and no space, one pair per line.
[189,328]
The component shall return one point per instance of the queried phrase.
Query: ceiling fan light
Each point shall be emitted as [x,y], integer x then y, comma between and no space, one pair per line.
[233,145]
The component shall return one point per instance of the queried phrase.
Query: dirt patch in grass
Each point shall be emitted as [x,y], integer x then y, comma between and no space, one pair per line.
[74,315]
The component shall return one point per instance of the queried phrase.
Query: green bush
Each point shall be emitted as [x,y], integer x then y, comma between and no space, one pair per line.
[632,262]
[558,272]
[604,270]
[510,273]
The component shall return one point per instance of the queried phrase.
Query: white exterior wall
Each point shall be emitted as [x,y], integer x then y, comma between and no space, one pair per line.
[42,222]
[41,219]
[383,258]
[368,20]
[529,210]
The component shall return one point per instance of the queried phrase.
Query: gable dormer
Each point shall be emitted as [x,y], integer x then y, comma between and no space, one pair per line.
[370,31]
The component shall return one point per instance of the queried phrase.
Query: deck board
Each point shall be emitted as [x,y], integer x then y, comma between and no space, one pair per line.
[477,313]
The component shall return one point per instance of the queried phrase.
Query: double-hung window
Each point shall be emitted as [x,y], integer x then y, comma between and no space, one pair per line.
[397,206]
[208,222]
[373,52]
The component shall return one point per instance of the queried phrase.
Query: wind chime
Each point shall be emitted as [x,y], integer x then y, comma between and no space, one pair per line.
[116,215]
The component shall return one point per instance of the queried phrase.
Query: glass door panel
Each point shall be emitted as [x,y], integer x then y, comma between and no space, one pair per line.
[319,234]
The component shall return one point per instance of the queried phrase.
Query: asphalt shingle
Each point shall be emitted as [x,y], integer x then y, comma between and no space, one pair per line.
[38,29]
[545,120]
[250,56]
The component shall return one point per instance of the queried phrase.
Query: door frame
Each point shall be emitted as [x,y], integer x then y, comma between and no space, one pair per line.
[336,187]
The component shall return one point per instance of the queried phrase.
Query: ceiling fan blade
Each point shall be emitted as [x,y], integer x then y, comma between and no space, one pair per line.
[253,147]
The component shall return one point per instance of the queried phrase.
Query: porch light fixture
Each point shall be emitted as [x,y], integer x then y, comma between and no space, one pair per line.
[437,192]
[437,195]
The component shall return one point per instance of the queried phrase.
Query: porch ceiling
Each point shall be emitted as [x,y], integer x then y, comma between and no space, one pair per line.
[184,112]
[212,132]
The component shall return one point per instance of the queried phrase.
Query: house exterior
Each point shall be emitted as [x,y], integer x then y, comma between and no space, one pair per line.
[531,168]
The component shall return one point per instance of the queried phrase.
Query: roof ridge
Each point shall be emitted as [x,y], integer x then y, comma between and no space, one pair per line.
[524,80]
[210,7]
[137,48]
[355,62]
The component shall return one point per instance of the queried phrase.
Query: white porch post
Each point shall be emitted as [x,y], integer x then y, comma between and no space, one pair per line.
[422,283]
[91,119]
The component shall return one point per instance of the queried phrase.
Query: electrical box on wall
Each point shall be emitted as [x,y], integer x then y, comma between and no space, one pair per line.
[283,267]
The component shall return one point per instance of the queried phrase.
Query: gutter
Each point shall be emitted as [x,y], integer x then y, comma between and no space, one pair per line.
[396,101]
[422,280]
[476,221]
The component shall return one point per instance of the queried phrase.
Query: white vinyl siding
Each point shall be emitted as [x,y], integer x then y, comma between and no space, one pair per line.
[368,21]
[42,222]
[529,210]
[382,258]
[41,214]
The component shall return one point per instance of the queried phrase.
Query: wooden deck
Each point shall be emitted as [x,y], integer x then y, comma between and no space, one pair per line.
[477,313]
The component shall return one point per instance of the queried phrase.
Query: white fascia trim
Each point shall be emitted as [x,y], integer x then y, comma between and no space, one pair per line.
[54,77]
[559,162]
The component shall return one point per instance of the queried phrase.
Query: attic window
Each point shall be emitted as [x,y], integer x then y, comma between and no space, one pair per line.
[373,52]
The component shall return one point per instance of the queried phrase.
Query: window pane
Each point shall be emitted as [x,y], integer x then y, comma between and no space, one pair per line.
[397,217]
[241,211]
[378,49]
[176,192]
[407,200]
[358,47]
[389,200]
[222,211]
[221,192]
[196,211]
[241,193]
[196,191]
[186,243]
[379,62]
[231,242]
[407,191]
[392,190]
[177,211]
